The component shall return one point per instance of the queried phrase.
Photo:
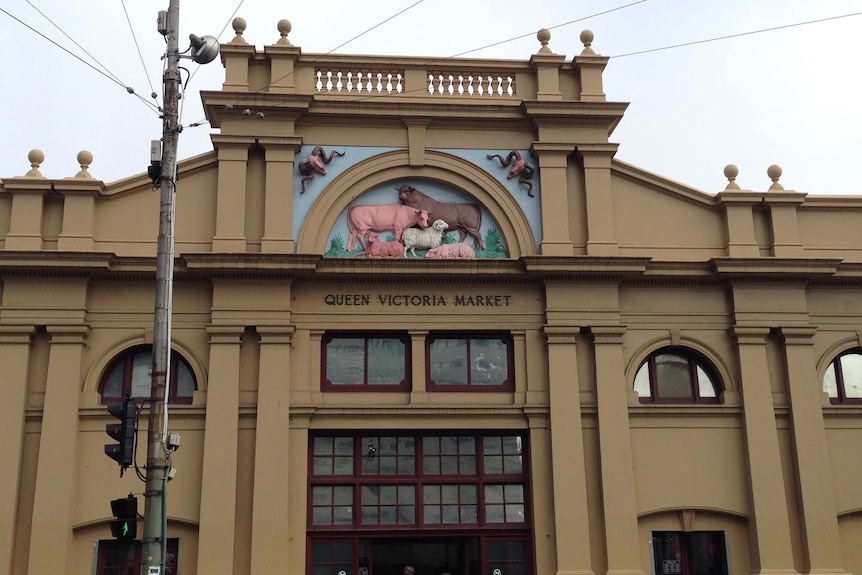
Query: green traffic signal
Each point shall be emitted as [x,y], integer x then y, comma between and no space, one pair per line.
[125,526]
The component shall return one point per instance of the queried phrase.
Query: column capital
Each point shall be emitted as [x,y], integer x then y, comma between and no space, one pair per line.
[561,333]
[749,335]
[225,333]
[798,335]
[605,334]
[275,333]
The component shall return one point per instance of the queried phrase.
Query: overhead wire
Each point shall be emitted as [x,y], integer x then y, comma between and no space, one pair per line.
[729,36]
[138,48]
[204,120]
[128,89]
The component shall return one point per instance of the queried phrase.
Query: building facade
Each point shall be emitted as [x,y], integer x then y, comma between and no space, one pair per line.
[601,371]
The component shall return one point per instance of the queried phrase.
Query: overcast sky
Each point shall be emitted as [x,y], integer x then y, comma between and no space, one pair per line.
[790,96]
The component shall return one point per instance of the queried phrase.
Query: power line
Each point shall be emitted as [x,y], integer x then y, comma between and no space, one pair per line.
[198,123]
[128,89]
[105,68]
[141,56]
[774,28]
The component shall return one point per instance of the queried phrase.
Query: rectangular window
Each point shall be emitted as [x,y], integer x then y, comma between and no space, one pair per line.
[689,553]
[417,481]
[470,362]
[365,362]
[450,504]
[331,557]
[115,557]
[388,505]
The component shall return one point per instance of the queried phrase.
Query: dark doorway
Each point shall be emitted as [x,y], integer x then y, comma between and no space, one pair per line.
[388,555]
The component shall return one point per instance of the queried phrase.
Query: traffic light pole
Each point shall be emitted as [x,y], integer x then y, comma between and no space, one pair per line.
[155,523]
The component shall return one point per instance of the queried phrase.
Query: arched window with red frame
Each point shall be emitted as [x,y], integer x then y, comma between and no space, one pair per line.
[130,372]
[676,374]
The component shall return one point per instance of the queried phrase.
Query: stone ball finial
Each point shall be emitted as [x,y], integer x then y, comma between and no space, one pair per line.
[35,157]
[544,36]
[85,158]
[731,172]
[774,173]
[587,40]
[238,27]
[284,28]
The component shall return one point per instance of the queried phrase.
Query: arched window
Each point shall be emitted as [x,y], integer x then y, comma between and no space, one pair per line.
[843,378]
[677,375]
[130,372]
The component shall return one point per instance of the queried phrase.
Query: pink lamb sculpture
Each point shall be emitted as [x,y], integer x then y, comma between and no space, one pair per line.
[458,251]
[380,249]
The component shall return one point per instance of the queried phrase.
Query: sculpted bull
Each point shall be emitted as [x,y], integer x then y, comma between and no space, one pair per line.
[386,218]
[466,218]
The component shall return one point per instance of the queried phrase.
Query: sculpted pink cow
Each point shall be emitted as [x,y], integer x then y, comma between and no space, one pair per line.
[386,218]
[458,251]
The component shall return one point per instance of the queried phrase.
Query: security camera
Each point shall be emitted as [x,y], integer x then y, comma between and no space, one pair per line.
[173,442]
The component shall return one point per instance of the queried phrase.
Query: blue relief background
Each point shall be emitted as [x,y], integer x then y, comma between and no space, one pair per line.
[387,194]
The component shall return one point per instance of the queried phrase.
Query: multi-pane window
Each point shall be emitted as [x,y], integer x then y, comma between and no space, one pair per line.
[843,378]
[470,362]
[115,557]
[412,480]
[130,373]
[366,361]
[677,375]
[689,553]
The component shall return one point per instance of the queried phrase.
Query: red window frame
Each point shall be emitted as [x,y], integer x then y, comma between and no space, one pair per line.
[401,386]
[508,385]
[126,359]
[836,365]
[509,469]
[695,361]
[117,557]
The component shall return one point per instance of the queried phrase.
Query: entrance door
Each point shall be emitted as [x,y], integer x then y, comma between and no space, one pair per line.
[428,556]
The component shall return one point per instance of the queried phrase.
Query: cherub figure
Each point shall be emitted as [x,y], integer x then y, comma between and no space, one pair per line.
[520,167]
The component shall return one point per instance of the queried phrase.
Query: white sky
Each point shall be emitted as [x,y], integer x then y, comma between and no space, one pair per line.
[789,96]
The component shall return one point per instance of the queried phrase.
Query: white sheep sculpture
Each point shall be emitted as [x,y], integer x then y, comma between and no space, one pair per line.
[428,238]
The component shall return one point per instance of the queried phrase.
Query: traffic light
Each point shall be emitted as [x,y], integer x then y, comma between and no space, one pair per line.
[123,452]
[125,526]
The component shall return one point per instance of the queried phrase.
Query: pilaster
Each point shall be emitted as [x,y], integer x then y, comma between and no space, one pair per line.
[622,542]
[230,203]
[54,499]
[219,473]
[15,359]
[601,239]
[770,534]
[235,57]
[280,157]
[553,165]
[272,450]
[818,514]
[28,206]
[739,222]
[282,64]
[547,67]
[418,392]
[571,513]
[786,241]
[79,213]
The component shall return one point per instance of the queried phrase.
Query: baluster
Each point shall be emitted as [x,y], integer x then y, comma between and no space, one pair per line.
[317,84]
[338,85]
[329,80]
[470,88]
[389,82]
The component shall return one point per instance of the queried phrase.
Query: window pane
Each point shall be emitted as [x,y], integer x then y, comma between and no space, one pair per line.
[142,367]
[185,380]
[851,375]
[830,386]
[114,382]
[449,361]
[672,376]
[386,361]
[642,381]
[705,387]
[345,361]
[489,362]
